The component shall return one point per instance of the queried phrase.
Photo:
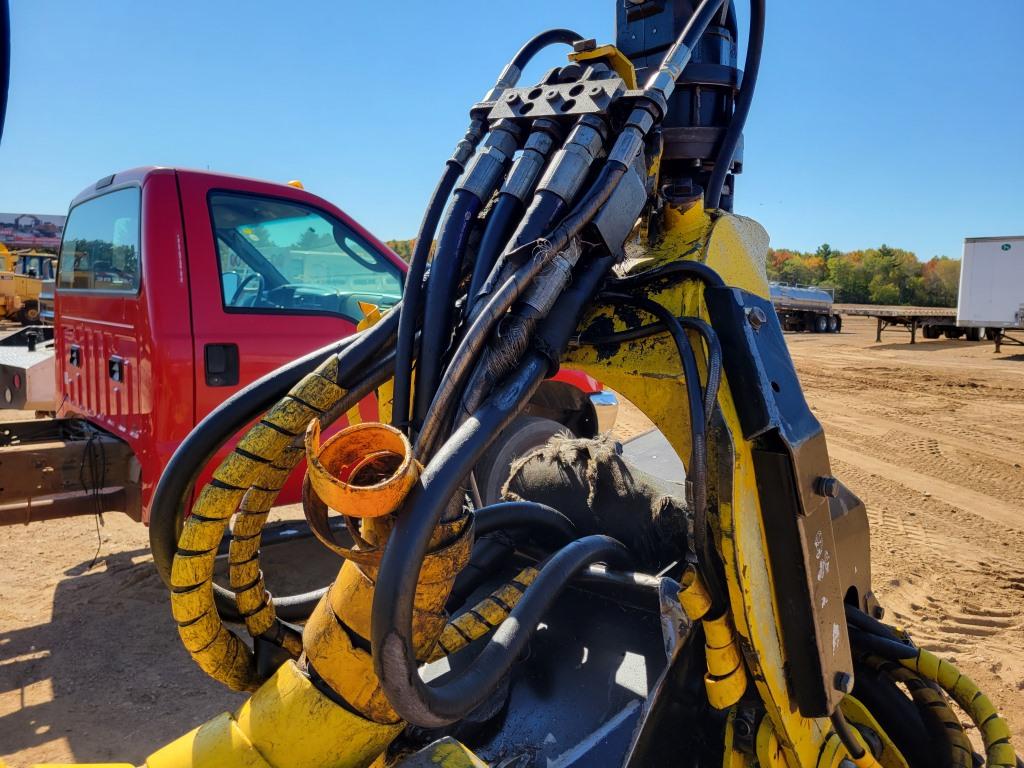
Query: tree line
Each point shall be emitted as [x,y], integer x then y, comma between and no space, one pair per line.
[883,275]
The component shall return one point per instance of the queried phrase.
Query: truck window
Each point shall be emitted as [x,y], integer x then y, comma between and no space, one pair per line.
[100,249]
[280,256]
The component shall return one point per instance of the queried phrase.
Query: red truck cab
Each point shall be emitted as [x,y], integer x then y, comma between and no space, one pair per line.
[175,288]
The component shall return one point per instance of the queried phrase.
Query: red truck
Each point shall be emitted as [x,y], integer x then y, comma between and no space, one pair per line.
[175,288]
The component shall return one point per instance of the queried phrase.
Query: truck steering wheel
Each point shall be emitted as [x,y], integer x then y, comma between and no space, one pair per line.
[241,287]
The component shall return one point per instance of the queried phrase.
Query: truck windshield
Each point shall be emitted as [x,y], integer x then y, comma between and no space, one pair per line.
[100,249]
[281,256]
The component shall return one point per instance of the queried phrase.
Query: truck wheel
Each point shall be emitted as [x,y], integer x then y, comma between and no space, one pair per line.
[991,333]
[820,324]
[520,437]
[931,331]
[975,334]
[954,333]
[29,314]
[833,324]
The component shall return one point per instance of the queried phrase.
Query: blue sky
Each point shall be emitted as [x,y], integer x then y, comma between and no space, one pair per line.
[874,122]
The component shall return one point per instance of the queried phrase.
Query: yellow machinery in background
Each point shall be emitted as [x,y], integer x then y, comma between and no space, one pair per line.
[21,280]
[597,616]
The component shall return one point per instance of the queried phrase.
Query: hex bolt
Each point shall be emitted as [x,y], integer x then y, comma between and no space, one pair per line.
[827,486]
[878,612]
[844,682]
[756,317]
[581,46]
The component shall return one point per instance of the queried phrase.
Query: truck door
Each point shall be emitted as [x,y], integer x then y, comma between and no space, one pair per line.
[99,284]
[273,275]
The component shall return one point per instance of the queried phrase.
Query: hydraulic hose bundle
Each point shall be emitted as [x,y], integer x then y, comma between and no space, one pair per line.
[531,215]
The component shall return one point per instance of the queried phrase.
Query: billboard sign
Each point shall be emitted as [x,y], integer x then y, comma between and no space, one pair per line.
[31,230]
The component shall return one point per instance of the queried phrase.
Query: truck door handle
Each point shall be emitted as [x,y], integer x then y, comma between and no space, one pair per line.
[221,365]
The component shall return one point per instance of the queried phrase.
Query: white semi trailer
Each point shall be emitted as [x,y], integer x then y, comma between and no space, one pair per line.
[992,287]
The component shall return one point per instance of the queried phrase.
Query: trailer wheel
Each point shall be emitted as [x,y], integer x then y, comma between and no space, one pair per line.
[991,333]
[820,324]
[931,331]
[954,333]
[975,334]
[839,323]
[833,324]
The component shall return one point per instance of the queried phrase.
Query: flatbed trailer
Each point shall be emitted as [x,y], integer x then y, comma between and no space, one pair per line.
[933,321]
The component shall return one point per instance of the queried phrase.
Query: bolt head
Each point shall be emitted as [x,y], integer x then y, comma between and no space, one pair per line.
[827,486]
[584,45]
[756,317]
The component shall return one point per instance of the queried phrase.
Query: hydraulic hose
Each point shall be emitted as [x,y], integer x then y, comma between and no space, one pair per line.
[697,471]
[508,78]
[247,597]
[516,192]
[994,731]
[662,82]
[650,329]
[523,514]
[405,349]
[694,270]
[534,46]
[440,300]
[556,192]
[496,233]
[391,621]
[171,498]
[474,340]
[861,758]
[436,706]
[755,44]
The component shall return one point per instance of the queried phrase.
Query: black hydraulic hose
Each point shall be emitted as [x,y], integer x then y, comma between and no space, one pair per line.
[496,234]
[489,312]
[868,623]
[694,270]
[499,530]
[726,152]
[845,734]
[714,364]
[888,649]
[650,329]
[545,210]
[520,514]
[172,494]
[5,61]
[405,350]
[391,624]
[435,706]
[697,471]
[539,43]
[440,300]
[401,407]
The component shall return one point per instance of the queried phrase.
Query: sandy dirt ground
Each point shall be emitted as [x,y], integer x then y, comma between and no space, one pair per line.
[930,436]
